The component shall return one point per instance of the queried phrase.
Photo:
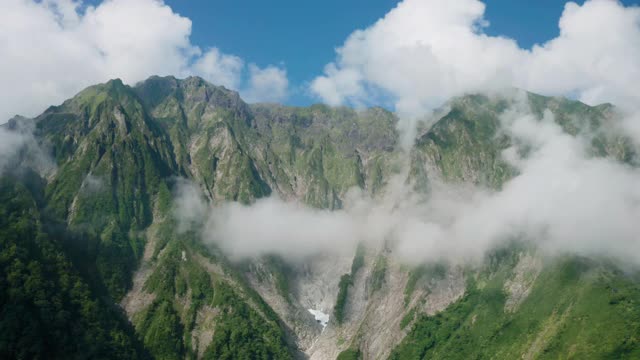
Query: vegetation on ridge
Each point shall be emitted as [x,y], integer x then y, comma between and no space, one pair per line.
[577,308]
[346,281]
[70,243]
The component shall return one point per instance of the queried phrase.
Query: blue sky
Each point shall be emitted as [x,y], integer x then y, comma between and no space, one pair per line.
[300,34]
[303,35]
[422,54]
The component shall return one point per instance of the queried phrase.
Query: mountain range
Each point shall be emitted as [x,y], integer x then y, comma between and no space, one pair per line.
[98,263]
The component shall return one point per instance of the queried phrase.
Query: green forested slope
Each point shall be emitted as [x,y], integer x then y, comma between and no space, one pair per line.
[71,242]
[577,308]
[47,309]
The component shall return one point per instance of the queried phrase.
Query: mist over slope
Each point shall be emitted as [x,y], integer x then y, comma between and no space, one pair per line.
[165,217]
[220,226]
[492,170]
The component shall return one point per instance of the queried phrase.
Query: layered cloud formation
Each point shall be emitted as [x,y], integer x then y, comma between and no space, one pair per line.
[52,49]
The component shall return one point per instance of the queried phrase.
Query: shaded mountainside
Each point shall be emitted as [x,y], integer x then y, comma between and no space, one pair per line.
[98,231]
[48,310]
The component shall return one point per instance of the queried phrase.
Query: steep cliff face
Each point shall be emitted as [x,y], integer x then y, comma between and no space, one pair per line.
[111,159]
[241,152]
[119,154]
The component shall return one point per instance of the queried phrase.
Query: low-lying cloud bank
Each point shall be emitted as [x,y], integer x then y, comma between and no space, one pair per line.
[20,149]
[563,200]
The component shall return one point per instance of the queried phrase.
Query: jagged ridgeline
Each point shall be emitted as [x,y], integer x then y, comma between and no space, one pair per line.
[94,265]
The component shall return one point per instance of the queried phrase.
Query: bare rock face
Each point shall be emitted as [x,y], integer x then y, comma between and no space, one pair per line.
[524,275]
[385,311]
[314,286]
[376,306]
[337,337]
[445,291]
[137,298]
[204,329]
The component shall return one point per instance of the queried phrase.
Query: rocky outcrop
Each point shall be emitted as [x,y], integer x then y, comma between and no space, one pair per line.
[524,276]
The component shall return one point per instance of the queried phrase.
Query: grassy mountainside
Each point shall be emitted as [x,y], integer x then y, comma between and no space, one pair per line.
[100,231]
[112,159]
[576,308]
[48,309]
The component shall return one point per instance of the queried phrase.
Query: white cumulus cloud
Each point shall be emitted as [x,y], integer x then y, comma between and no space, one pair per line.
[422,52]
[268,85]
[54,48]
[224,69]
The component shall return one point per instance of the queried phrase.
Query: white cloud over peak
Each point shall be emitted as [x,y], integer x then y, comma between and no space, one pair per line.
[595,55]
[54,48]
[424,51]
[268,85]
[226,69]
